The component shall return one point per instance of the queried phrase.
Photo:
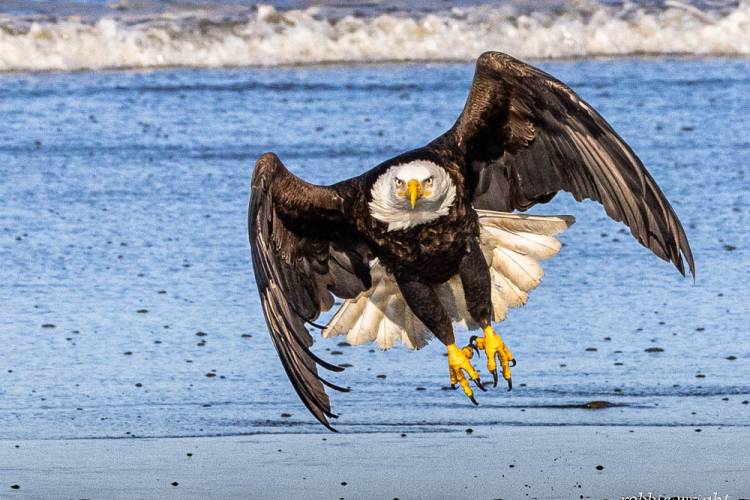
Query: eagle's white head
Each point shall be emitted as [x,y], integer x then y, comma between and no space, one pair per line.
[411,194]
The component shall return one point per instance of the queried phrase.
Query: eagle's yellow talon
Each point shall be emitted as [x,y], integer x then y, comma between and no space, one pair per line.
[493,347]
[458,363]
[468,351]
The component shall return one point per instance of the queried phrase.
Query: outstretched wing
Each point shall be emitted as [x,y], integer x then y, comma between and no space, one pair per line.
[524,135]
[301,256]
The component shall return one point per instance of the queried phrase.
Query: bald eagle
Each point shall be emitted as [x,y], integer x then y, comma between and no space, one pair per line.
[430,238]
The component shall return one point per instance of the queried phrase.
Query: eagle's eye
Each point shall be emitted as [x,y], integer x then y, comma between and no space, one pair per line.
[428,181]
[399,183]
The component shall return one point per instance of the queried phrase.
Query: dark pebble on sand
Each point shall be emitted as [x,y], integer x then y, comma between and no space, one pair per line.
[343,483]
[161,292]
[469,430]
[189,454]
[731,358]
[697,430]
[175,483]
[599,467]
[48,325]
[403,435]
[745,402]
[138,384]
[421,388]
[591,349]
[596,405]
[286,415]
[336,353]
[344,344]
[246,336]
[14,486]
[654,349]
[380,376]
[700,375]
[128,353]
[201,334]
[142,311]
[346,365]
[209,374]
[730,248]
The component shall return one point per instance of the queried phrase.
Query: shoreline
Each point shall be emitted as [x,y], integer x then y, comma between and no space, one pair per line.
[645,56]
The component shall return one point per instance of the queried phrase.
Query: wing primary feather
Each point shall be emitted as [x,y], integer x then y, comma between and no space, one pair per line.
[316,325]
[333,386]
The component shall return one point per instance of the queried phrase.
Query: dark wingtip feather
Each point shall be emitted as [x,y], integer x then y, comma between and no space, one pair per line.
[334,386]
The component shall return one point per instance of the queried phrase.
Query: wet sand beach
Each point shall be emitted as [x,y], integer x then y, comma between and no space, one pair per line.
[602,462]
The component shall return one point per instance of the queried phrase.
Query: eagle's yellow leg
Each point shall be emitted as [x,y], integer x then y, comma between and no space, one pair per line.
[458,363]
[495,349]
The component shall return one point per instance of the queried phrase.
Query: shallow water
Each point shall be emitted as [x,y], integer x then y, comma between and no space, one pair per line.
[123,224]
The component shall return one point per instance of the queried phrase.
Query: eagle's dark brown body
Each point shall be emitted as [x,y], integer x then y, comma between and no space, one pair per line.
[429,252]
[522,137]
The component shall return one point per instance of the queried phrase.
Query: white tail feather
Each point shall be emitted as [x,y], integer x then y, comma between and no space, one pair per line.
[539,246]
[512,245]
[389,331]
[522,270]
[548,225]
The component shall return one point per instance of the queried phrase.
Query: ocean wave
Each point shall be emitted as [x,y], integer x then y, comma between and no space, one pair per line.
[265,36]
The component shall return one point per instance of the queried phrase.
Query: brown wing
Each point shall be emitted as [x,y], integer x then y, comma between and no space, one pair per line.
[299,261]
[523,136]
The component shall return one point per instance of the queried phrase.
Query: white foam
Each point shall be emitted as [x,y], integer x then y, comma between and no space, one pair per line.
[267,37]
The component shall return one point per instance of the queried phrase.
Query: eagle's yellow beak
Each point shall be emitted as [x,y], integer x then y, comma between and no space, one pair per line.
[414,190]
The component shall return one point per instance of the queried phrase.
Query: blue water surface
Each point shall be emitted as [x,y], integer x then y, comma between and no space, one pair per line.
[128,306]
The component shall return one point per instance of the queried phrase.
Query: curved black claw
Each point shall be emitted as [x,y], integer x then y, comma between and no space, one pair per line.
[479,384]
[473,400]
[494,377]
[510,384]
[512,362]
[473,345]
